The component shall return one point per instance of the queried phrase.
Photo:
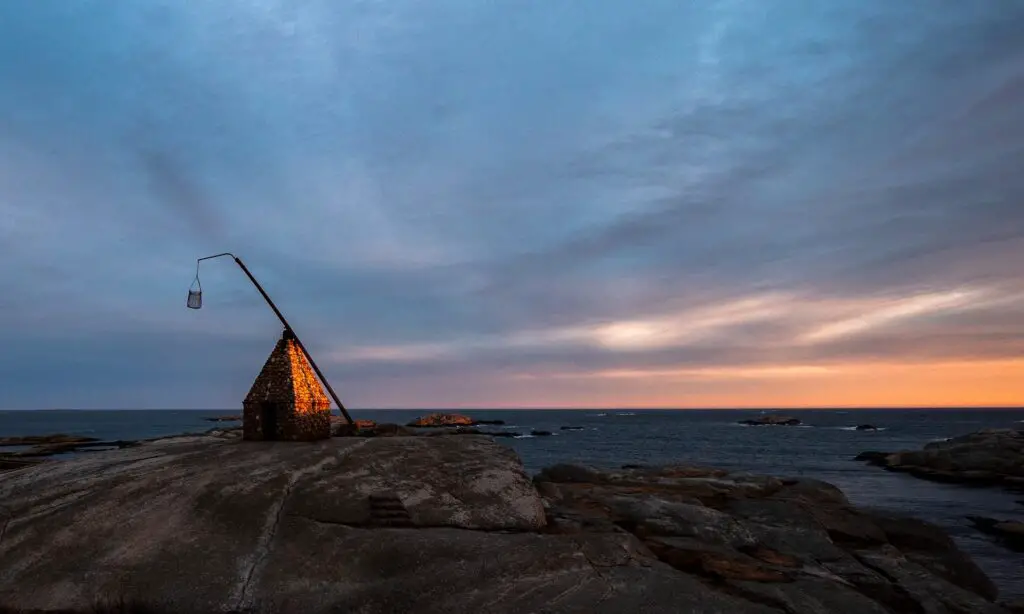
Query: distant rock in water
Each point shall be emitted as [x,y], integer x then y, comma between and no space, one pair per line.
[231,418]
[540,433]
[867,427]
[572,428]
[992,457]
[772,420]
[440,420]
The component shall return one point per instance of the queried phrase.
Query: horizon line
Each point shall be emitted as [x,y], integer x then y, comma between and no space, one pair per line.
[555,408]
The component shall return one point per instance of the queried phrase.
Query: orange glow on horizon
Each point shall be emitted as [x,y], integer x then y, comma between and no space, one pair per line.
[854,385]
[817,344]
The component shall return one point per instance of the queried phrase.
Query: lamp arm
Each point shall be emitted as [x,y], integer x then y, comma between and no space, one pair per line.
[287,327]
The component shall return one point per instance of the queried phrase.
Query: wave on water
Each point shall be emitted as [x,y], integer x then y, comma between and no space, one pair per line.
[625,413]
[524,437]
[599,415]
[853,428]
[761,426]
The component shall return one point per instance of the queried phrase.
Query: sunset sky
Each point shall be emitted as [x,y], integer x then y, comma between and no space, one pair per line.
[465,203]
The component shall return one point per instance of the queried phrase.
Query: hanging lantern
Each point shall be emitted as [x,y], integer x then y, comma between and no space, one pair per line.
[195,293]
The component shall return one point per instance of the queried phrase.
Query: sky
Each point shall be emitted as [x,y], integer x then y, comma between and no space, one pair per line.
[659,203]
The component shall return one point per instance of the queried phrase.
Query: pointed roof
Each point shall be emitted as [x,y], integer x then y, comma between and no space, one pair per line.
[287,378]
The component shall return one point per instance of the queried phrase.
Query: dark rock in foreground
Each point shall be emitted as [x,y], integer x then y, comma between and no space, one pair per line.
[1014,607]
[993,457]
[453,524]
[796,545]
[43,446]
[8,463]
[38,440]
[62,448]
[1010,532]
[772,420]
[873,457]
[365,428]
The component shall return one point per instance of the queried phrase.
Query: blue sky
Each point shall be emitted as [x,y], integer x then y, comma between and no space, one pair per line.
[653,203]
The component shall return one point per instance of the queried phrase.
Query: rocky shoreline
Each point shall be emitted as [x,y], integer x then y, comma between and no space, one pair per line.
[992,457]
[393,522]
[38,448]
[988,458]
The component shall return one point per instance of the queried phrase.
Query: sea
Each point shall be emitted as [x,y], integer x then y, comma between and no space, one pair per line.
[822,448]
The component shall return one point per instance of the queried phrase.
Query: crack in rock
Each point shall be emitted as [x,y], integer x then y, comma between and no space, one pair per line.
[264,547]
[371,526]
[752,597]
[908,599]
[7,520]
[609,590]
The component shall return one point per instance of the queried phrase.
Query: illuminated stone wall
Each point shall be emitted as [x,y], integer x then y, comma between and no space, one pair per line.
[303,411]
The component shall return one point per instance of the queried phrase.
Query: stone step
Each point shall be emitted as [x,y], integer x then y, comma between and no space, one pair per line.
[388,510]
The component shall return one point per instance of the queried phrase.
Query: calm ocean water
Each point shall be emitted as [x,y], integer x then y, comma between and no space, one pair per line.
[823,449]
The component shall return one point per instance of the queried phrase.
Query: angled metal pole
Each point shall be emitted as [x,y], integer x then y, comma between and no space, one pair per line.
[287,327]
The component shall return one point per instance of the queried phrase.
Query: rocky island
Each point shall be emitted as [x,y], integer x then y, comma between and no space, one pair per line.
[772,420]
[404,523]
[442,420]
[992,457]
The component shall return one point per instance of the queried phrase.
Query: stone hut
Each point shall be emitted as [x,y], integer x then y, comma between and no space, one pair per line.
[286,402]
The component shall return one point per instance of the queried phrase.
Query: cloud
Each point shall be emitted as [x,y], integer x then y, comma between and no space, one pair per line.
[889,314]
[445,198]
[759,334]
[174,187]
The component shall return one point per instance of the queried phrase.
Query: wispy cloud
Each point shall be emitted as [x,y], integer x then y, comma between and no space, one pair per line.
[894,312]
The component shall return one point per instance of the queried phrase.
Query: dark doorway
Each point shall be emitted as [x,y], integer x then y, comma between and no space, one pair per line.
[268,420]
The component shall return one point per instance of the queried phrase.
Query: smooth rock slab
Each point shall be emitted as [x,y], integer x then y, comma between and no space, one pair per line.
[450,571]
[197,518]
[452,524]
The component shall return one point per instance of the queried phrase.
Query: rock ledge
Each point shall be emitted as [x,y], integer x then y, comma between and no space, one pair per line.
[453,524]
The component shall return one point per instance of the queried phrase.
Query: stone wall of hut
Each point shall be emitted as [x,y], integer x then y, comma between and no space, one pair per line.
[302,409]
